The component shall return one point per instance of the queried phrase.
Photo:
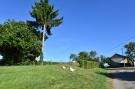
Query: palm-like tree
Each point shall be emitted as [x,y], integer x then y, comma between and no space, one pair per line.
[45,18]
[73,57]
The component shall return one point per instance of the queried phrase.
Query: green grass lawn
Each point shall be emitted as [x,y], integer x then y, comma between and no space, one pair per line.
[51,77]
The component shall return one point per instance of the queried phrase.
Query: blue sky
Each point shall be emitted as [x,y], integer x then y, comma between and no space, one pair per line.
[101,25]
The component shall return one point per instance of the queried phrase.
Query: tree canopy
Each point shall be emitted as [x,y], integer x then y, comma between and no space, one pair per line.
[18,42]
[44,13]
[83,55]
[130,49]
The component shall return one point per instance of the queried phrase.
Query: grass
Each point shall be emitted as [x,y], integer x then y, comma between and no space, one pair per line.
[51,77]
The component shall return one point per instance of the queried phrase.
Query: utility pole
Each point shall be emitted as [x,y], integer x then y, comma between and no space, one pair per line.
[123,56]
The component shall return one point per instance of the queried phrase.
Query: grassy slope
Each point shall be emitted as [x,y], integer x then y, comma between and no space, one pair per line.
[50,77]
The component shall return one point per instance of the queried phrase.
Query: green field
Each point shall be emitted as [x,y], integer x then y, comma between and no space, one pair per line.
[51,77]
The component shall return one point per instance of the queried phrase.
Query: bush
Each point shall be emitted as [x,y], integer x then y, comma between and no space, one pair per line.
[28,62]
[53,63]
[89,64]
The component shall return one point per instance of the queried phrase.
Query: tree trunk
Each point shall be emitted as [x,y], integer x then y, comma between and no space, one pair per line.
[43,44]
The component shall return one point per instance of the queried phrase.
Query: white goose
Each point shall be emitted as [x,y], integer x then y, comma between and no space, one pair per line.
[71,69]
[63,67]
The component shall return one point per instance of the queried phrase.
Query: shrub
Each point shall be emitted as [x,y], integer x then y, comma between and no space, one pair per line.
[89,64]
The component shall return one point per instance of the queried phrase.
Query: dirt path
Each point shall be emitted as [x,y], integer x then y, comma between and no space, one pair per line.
[123,78]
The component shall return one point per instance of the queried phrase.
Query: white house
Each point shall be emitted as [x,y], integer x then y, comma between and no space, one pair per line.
[118,60]
[1,57]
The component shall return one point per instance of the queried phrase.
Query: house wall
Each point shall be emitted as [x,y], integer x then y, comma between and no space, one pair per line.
[116,62]
[124,61]
[119,62]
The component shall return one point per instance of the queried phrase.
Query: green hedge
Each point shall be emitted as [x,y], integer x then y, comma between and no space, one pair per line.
[89,64]
[54,63]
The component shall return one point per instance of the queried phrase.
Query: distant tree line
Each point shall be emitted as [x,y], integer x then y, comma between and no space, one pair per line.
[86,59]
[89,56]
[92,56]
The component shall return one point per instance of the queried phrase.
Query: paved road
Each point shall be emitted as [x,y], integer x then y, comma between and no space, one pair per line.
[124,78]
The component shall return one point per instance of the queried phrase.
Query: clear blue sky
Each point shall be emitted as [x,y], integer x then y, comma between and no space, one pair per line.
[101,25]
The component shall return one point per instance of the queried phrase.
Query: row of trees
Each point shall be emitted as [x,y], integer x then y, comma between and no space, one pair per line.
[89,56]
[23,41]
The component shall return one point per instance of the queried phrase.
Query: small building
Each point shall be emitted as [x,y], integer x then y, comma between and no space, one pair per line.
[118,60]
[134,62]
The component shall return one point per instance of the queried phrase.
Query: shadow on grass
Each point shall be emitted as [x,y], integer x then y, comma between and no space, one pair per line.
[120,75]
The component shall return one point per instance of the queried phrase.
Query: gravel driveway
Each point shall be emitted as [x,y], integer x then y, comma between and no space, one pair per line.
[123,78]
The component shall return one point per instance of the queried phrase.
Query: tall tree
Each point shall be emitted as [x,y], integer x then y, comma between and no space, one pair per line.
[45,18]
[130,50]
